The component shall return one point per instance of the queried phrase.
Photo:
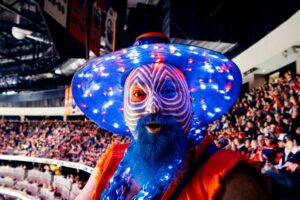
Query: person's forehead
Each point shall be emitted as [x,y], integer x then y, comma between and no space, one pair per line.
[156,70]
[156,73]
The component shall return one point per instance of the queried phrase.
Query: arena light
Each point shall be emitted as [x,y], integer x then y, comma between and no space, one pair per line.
[10,92]
[58,71]
[19,33]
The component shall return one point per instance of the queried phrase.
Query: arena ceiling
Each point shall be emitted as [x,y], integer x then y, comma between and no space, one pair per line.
[33,60]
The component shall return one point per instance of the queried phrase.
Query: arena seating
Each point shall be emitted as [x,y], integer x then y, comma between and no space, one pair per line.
[7,181]
[39,184]
[46,194]
[40,177]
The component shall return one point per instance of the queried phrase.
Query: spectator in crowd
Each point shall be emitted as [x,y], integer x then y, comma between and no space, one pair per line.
[280,142]
[286,175]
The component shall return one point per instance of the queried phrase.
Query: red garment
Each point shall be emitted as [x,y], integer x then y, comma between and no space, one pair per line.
[204,184]
[257,156]
[278,157]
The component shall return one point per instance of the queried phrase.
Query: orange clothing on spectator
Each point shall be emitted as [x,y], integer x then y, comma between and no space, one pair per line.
[204,184]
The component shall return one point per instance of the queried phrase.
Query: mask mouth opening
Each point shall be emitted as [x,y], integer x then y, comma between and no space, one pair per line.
[153,127]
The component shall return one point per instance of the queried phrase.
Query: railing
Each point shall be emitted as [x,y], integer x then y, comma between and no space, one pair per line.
[48,161]
[14,193]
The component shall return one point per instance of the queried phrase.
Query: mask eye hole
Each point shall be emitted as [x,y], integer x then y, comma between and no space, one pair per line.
[137,94]
[168,92]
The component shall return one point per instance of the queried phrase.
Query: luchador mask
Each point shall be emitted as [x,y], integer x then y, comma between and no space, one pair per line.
[157,88]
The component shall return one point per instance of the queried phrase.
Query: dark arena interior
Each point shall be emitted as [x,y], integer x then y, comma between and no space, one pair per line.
[49,147]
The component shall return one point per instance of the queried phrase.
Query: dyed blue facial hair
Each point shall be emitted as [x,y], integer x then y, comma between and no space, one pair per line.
[156,151]
[152,160]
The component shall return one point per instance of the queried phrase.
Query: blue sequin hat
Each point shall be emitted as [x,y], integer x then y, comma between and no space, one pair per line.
[214,81]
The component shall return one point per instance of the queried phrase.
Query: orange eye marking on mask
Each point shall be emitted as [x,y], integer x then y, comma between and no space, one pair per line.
[137,94]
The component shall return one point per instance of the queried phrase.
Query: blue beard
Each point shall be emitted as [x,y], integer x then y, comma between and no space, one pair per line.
[152,160]
[153,153]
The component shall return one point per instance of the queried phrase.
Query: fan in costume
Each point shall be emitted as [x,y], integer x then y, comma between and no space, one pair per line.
[162,95]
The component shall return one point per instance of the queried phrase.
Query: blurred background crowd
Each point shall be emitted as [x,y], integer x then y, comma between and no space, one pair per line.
[76,141]
[264,126]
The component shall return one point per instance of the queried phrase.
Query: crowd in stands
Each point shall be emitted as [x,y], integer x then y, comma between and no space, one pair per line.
[75,141]
[264,126]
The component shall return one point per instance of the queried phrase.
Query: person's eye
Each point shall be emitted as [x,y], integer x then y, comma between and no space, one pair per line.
[138,95]
[168,92]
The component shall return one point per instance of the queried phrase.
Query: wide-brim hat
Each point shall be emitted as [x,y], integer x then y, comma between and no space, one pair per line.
[214,81]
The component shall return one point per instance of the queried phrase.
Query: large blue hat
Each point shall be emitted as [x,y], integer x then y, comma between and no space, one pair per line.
[214,81]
